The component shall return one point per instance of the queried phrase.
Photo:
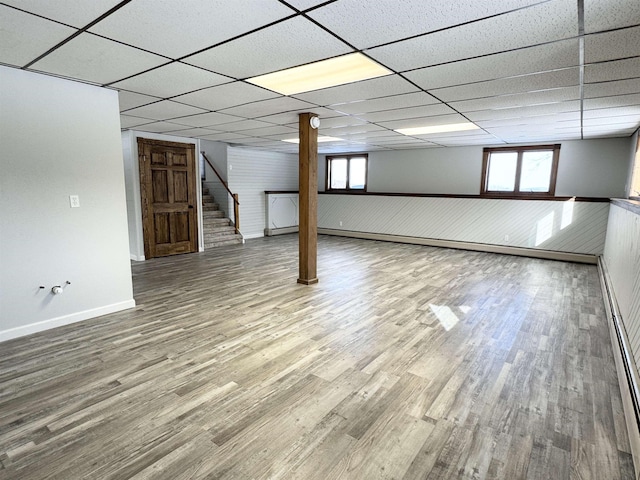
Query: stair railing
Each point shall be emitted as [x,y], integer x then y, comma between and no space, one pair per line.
[236,203]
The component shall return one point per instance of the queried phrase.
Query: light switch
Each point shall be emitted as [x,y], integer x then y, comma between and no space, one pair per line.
[74,201]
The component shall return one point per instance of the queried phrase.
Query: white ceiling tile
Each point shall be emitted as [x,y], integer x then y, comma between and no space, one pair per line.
[628,120]
[608,89]
[225,96]
[127,121]
[554,20]
[171,80]
[274,48]
[525,83]
[340,121]
[225,137]
[175,29]
[612,130]
[612,45]
[272,130]
[519,112]
[364,90]
[424,121]
[404,113]
[366,26]
[385,103]
[615,70]
[612,112]
[351,130]
[95,59]
[413,146]
[518,62]
[131,100]
[18,48]
[77,13]
[616,134]
[164,110]
[573,116]
[193,132]
[607,14]
[158,127]
[518,99]
[207,119]
[305,4]
[243,125]
[611,102]
[291,118]
[268,107]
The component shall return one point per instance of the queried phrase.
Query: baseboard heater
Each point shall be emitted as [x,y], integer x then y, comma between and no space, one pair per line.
[476,247]
[627,371]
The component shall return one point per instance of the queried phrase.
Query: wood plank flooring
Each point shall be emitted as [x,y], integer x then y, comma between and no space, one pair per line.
[404,362]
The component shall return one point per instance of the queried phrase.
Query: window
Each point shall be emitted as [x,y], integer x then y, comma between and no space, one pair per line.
[520,171]
[347,172]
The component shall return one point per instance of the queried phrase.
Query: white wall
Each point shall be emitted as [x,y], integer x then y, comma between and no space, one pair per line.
[587,168]
[217,154]
[129,141]
[60,138]
[575,227]
[622,258]
[593,168]
[251,172]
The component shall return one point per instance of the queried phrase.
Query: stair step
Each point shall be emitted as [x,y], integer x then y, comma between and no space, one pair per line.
[208,207]
[206,214]
[207,198]
[216,222]
[218,237]
[232,241]
[208,229]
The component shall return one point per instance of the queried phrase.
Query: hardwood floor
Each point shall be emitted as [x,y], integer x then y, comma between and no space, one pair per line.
[404,362]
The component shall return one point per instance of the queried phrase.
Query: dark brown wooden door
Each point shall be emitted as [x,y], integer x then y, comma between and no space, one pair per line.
[168,189]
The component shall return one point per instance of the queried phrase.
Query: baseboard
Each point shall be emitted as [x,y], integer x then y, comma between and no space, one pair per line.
[478,247]
[137,258]
[253,235]
[270,232]
[23,330]
[627,372]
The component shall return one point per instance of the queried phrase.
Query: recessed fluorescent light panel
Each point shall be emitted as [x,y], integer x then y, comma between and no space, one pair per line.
[326,73]
[320,139]
[452,127]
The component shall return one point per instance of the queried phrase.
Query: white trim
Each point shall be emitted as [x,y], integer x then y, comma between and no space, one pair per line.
[137,258]
[253,235]
[628,378]
[478,247]
[269,232]
[36,327]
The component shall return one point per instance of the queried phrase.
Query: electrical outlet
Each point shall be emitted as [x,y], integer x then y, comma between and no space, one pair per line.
[506,238]
[74,201]
[340,222]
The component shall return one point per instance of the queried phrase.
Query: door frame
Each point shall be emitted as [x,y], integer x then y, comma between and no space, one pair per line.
[144,199]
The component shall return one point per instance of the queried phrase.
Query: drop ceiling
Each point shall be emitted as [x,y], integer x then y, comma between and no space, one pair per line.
[522,70]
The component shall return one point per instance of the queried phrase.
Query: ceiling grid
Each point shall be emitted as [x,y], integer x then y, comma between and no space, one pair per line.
[523,71]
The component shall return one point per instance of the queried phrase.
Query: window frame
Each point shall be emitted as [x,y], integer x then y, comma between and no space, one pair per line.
[486,153]
[348,157]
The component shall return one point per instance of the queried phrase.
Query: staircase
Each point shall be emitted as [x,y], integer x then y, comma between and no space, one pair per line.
[218,230]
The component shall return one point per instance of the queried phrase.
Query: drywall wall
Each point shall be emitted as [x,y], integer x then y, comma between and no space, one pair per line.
[216,152]
[251,172]
[593,168]
[132,180]
[60,138]
[575,227]
[587,168]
